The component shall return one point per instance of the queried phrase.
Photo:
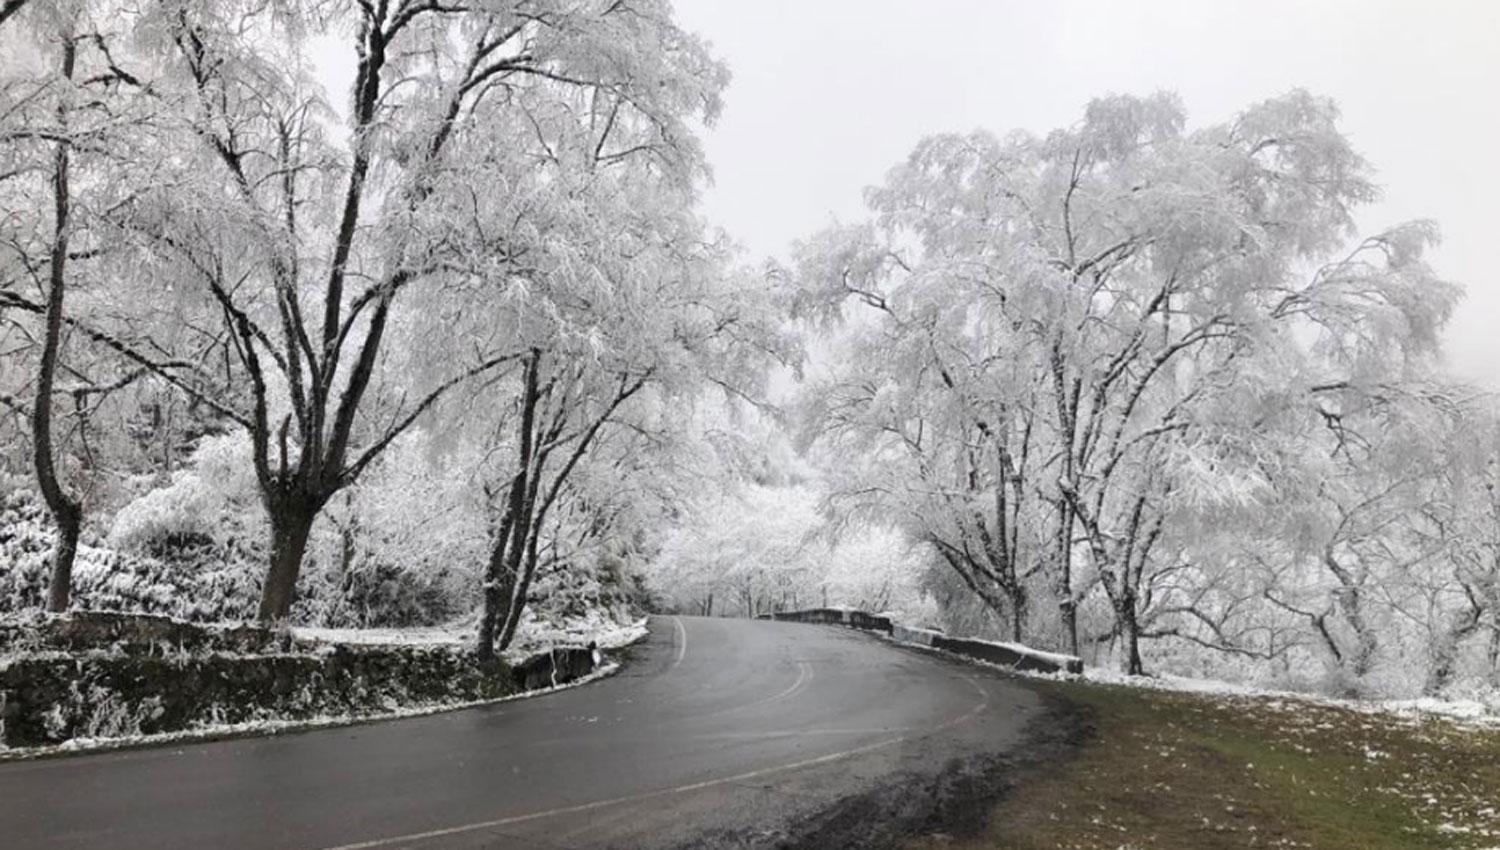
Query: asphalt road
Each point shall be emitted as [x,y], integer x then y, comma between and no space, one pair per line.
[717,733]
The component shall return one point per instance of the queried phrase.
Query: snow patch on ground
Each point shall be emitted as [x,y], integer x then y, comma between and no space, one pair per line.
[533,635]
[454,635]
[1471,712]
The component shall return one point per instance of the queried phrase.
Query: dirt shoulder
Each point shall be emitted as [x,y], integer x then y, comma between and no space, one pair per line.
[939,807]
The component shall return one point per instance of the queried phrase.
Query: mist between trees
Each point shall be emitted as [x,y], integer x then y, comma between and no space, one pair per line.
[457,342]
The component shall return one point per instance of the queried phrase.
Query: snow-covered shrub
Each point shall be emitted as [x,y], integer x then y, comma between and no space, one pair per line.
[377,594]
[402,547]
[165,518]
[205,530]
[25,550]
[191,550]
[110,580]
[212,501]
[568,591]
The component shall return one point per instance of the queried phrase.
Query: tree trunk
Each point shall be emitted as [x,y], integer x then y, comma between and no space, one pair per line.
[521,564]
[59,592]
[492,599]
[534,508]
[505,584]
[1445,654]
[1362,659]
[516,607]
[66,511]
[1495,653]
[500,573]
[10,7]
[1017,612]
[1067,426]
[484,646]
[290,528]
[1349,599]
[511,595]
[522,571]
[496,588]
[1130,633]
[1067,608]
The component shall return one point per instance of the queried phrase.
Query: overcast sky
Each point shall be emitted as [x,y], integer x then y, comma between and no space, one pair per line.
[829,94]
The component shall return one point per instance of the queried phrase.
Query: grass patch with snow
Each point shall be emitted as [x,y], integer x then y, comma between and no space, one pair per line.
[1158,768]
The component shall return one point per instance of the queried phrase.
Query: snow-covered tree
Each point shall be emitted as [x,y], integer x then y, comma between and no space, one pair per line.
[310,252]
[1086,302]
[69,145]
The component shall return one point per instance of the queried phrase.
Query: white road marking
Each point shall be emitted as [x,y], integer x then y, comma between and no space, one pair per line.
[804,675]
[798,733]
[984,701]
[736,736]
[681,643]
[804,672]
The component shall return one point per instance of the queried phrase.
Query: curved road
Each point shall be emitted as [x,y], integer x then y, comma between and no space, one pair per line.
[717,733]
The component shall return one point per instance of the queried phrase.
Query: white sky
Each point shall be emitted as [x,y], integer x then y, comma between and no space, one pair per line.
[829,94]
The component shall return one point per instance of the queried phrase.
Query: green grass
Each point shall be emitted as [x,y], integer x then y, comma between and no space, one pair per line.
[1170,770]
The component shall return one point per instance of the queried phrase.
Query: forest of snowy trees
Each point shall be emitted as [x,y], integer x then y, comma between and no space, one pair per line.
[1135,383]
[457,344]
[438,334]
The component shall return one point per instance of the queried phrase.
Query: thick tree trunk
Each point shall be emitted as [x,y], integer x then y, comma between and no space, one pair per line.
[1445,653]
[490,616]
[1017,613]
[59,592]
[290,528]
[1130,633]
[10,7]
[508,611]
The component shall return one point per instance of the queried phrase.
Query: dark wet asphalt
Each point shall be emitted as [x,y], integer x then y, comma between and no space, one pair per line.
[716,732]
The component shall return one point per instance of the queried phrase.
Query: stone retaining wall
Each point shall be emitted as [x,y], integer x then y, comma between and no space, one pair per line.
[112,676]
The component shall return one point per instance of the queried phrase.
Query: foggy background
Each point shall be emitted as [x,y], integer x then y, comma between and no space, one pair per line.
[828,95]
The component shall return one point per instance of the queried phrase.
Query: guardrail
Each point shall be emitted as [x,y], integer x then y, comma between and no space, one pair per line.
[1014,655]
[836,617]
